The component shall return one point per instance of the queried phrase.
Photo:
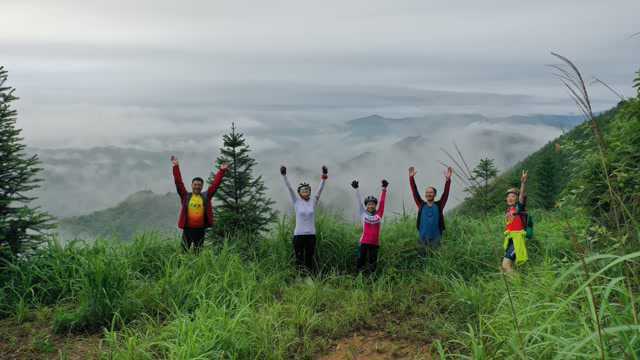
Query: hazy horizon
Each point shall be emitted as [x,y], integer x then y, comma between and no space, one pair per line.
[100,73]
[164,77]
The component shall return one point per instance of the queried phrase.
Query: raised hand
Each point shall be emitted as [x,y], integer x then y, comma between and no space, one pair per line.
[283,170]
[524,177]
[355,184]
[385,183]
[412,171]
[448,173]
[325,173]
[174,160]
[224,166]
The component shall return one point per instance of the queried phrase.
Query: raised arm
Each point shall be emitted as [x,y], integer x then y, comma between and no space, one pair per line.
[523,187]
[323,178]
[383,198]
[292,194]
[320,188]
[414,188]
[217,180]
[177,178]
[361,209]
[447,187]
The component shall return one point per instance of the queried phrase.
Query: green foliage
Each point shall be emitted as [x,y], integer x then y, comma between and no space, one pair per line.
[42,344]
[576,297]
[22,227]
[126,219]
[588,188]
[481,178]
[242,205]
[101,291]
[551,169]
[548,172]
[156,302]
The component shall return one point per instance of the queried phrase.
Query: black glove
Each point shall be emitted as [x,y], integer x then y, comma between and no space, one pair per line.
[385,183]
[283,170]
[325,171]
[354,184]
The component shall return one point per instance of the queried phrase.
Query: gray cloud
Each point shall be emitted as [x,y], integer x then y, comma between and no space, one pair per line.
[350,150]
[162,76]
[97,73]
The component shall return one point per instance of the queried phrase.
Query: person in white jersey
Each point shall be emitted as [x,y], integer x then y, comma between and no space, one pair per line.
[304,235]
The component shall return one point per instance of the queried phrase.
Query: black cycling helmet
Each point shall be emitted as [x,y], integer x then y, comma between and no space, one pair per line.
[304,186]
[369,199]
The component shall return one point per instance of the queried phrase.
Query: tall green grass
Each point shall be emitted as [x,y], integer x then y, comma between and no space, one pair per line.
[231,301]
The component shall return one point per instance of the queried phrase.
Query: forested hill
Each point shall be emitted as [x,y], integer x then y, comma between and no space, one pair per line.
[567,168]
[140,212]
[562,169]
[575,296]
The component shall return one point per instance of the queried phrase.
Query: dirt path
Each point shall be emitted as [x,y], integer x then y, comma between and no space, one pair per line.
[35,339]
[376,345]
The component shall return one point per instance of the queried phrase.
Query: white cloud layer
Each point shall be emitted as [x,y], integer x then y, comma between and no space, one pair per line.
[110,72]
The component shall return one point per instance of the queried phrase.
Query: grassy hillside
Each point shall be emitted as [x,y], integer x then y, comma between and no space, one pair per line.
[152,301]
[555,165]
[576,297]
[140,212]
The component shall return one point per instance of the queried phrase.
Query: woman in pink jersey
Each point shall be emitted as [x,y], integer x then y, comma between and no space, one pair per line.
[371,224]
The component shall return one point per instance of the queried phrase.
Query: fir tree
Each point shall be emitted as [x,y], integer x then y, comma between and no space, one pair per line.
[543,192]
[21,227]
[242,205]
[482,175]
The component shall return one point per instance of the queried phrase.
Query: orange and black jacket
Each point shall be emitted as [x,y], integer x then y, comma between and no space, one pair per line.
[185,197]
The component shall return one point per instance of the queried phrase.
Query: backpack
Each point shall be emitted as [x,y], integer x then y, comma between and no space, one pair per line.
[420,215]
[527,220]
[528,224]
[529,228]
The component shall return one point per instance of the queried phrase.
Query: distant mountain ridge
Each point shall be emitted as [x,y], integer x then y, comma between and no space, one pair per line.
[372,146]
[139,212]
[376,125]
[553,167]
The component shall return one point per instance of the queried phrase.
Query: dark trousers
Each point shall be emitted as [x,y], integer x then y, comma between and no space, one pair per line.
[428,245]
[368,258]
[304,249]
[192,238]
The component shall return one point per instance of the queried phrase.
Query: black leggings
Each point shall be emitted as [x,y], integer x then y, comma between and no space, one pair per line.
[192,238]
[304,249]
[368,258]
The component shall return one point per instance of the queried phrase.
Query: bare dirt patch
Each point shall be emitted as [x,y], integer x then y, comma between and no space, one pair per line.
[376,345]
[35,340]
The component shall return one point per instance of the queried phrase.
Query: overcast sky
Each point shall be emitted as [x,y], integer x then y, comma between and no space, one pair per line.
[90,72]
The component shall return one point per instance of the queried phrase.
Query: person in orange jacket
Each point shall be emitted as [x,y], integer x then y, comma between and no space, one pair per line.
[196,211]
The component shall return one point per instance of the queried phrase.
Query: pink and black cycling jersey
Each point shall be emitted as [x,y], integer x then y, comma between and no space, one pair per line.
[371,223]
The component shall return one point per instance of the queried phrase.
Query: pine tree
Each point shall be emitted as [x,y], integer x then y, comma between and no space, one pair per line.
[242,205]
[543,192]
[482,175]
[21,227]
